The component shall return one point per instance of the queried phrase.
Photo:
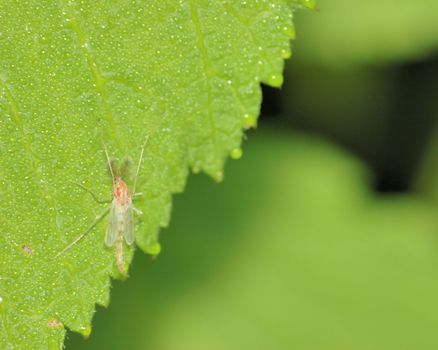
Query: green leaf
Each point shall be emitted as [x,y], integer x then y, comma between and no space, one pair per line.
[185,74]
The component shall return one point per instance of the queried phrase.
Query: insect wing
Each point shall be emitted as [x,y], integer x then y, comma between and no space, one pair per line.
[129,226]
[111,230]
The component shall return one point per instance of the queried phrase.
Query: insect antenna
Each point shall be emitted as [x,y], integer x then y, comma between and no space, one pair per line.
[139,163]
[109,161]
[96,198]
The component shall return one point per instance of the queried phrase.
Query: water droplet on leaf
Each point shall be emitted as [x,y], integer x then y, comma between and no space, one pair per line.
[286,53]
[153,248]
[219,176]
[86,331]
[275,80]
[236,153]
[289,31]
[249,120]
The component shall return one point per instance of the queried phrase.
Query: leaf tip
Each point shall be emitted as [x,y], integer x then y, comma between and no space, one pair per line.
[86,331]
[310,4]
[219,176]
[275,80]
[249,120]
[153,249]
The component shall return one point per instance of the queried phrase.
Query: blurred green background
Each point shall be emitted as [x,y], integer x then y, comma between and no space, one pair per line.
[325,234]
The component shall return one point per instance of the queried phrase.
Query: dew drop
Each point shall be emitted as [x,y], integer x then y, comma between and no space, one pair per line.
[275,80]
[219,176]
[85,331]
[153,248]
[236,153]
[289,31]
[3,304]
[285,53]
[249,120]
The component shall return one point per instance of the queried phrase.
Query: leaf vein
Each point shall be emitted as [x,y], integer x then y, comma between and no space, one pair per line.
[243,21]
[208,71]
[98,77]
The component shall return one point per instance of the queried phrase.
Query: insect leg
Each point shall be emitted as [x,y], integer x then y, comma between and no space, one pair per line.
[97,199]
[95,222]
[138,211]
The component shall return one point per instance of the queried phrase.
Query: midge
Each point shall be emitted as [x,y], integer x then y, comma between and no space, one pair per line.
[121,214]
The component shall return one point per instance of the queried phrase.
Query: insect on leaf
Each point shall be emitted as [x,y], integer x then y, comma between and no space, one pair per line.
[129,228]
[111,229]
[185,73]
